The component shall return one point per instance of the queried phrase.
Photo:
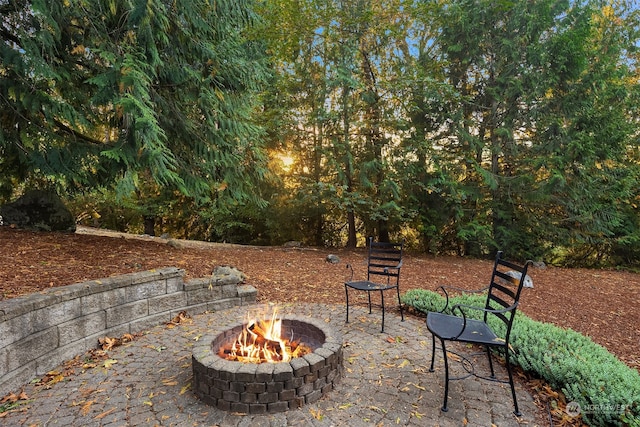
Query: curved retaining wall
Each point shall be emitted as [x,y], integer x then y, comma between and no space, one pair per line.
[40,331]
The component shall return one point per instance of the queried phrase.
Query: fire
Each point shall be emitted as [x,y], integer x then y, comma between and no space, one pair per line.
[260,341]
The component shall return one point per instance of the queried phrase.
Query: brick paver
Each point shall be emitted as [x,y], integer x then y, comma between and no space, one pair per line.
[386,382]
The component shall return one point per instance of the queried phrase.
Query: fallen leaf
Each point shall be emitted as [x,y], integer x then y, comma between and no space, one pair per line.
[86,407]
[104,414]
[11,397]
[51,378]
[109,362]
[454,356]
[169,382]
[184,388]
[417,414]
[316,414]
[417,386]
[108,343]
[182,317]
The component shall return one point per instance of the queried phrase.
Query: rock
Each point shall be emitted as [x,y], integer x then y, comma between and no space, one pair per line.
[528,281]
[333,259]
[174,244]
[38,210]
[225,274]
[293,244]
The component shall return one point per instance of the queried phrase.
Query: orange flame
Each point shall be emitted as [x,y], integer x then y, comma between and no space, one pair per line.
[260,341]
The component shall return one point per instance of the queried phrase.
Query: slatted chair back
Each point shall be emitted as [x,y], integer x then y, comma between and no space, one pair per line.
[504,291]
[383,260]
[383,274]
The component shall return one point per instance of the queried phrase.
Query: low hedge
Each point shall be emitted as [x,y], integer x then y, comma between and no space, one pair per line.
[607,390]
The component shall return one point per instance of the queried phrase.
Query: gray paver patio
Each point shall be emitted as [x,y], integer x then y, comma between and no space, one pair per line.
[386,382]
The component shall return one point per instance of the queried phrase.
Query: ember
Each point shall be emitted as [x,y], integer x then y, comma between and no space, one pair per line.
[261,342]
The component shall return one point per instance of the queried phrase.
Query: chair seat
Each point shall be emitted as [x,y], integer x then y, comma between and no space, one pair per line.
[446,326]
[364,285]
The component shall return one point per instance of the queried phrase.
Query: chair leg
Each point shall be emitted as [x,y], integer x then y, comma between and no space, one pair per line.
[516,411]
[382,302]
[369,294]
[493,374]
[433,351]
[446,377]
[346,290]
[400,304]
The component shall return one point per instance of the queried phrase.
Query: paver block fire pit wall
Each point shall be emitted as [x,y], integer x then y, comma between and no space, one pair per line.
[252,388]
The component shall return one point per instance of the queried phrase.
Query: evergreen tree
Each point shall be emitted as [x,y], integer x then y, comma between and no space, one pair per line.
[133,94]
[532,127]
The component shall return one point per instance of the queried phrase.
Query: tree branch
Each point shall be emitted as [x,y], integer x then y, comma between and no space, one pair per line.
[77,134]
[10,37]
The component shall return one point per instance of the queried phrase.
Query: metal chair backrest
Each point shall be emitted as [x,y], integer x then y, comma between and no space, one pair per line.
[507,281]
[385,259]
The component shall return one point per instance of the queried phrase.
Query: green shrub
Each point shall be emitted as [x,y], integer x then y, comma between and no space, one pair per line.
[607,390]
[426,301]
[422,300]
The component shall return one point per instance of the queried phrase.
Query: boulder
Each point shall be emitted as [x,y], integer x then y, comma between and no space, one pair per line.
[332,259]
[528,281]
[293,244]
[38,210]
[227,275]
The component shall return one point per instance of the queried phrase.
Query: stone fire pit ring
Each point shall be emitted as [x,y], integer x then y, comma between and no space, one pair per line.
[265,388]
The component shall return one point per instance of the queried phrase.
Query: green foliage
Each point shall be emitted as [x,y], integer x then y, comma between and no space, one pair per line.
[334,58]
[424,301]
[97,209]
[586,372]
[607,390]
[473,125]
[126,95]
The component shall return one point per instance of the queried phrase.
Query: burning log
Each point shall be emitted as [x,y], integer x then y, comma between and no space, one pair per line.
[265,341]
[260,342]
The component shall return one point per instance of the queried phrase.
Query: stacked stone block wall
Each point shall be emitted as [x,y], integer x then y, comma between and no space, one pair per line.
[40,331]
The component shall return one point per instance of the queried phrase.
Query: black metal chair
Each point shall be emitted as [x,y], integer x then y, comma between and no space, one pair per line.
[503,294]
[384,261]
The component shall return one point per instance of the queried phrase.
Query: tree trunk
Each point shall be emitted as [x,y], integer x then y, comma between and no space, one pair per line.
[351,221]
[149,225]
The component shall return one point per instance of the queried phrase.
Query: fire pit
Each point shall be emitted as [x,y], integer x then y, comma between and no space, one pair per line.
[299,369]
